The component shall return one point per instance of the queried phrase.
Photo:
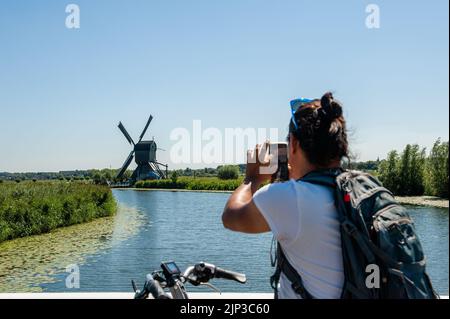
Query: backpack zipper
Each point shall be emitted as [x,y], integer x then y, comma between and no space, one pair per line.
[373,192]
[374,217]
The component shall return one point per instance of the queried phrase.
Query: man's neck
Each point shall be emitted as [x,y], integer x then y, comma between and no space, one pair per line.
[307,167]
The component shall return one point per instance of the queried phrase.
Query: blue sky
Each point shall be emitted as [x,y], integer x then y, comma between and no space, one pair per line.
[230,63]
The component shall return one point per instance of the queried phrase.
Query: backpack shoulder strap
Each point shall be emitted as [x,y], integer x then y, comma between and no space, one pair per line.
[286,268]
[324,177]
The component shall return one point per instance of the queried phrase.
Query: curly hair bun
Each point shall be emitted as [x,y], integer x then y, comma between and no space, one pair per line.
[332,109]
[321,131]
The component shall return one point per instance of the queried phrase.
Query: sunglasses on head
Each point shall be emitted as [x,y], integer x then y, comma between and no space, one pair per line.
[295,105]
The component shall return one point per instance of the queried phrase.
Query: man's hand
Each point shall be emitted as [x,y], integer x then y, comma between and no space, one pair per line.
[258,164]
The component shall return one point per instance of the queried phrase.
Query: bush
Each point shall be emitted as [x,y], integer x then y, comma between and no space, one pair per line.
[31,208]
[189,183]
[174,177]
[228,172]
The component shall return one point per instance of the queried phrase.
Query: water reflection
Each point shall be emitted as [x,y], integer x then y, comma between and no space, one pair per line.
[26,263]
[185,227]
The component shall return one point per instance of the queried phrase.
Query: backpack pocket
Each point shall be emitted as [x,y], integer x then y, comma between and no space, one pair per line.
[406,244]
[400,286]
[397,235]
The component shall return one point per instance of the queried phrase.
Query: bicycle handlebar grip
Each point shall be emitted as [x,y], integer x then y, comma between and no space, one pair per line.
[155,289]
[227,274]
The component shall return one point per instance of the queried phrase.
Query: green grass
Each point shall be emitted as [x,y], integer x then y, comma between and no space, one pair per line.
[190,183]
[31,208]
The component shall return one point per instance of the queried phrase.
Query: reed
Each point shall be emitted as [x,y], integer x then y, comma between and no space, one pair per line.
[190,183]
[31,208]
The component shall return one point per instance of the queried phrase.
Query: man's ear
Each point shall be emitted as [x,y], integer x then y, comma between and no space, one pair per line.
[293,144]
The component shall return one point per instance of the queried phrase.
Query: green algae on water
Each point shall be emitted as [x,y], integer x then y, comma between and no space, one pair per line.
[25,263]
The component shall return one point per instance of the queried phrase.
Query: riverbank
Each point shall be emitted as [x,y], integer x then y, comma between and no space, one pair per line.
[191,183]
[32,208]
[173,190]
[430,201]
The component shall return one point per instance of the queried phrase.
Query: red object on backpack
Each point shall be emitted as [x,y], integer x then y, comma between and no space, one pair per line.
[347,198]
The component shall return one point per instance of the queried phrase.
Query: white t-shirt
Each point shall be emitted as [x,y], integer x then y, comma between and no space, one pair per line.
[303,218]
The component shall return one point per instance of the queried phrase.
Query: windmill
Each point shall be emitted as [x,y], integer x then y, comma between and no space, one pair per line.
[144,153]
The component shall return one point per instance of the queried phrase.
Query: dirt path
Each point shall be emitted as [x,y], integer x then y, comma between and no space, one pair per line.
[423,201]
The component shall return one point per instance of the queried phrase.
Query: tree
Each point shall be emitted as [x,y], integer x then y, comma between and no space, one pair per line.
[174,177]
[416,175]
[97,177]
[388,171]
[187,172]
[107,174]
[228,172]
[413,173]
[437,173]
[404,169]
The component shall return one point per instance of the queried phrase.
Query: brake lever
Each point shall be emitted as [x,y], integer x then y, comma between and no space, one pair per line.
[134,285]
[207,284]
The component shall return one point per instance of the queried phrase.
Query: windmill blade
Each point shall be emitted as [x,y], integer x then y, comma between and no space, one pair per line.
[125,165]
[124,131]
[146,127]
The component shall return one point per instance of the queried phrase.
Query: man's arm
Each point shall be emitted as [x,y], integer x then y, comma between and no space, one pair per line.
[240,213]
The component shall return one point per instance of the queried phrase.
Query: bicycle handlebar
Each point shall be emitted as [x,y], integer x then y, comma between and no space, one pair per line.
[205,271]
[199,274]
[231,275]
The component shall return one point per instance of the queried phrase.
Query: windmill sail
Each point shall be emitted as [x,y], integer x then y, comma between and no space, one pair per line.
[124,131]
[145,128]
[125,165]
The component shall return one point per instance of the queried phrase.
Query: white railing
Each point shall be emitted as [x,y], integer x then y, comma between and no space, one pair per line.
[129,295]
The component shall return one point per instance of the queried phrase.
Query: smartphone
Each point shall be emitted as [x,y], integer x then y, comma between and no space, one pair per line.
[280,152]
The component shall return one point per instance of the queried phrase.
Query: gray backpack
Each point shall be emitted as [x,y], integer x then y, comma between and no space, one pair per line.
[377,234]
